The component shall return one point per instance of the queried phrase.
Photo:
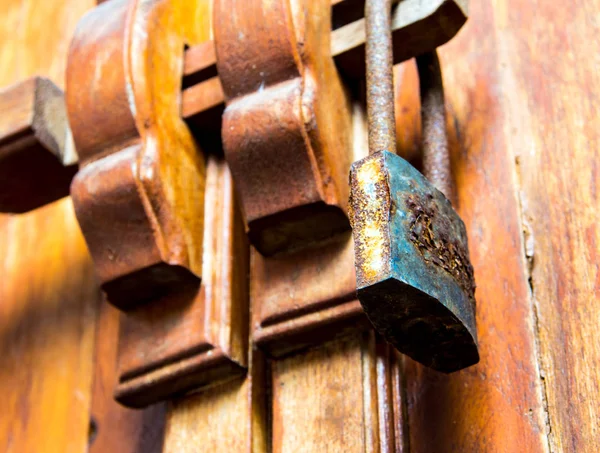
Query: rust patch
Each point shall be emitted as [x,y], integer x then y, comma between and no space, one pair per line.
[436,239]
[370,205]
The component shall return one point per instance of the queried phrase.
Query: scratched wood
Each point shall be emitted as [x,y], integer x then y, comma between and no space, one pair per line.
[48,295]
[548,68]
[498,404]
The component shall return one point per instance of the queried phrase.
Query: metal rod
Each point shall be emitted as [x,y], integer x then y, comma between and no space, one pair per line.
[380,83]
[436,155]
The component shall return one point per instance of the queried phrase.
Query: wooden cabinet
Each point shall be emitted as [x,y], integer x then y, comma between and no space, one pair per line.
[521,82]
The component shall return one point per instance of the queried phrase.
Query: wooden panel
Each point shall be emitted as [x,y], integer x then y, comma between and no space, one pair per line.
[213,420]
[115,428]
[48,293]
[497,404]
[549,74]
[229,417]
[48,305]
[335,398]
[318,400]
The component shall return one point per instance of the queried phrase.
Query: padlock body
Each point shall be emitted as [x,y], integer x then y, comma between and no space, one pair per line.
[414,277]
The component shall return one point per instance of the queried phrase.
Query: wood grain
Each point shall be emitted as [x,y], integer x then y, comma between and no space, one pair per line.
[337,397]
[215,420]
[114,427]
[48,293]
[229,417]
[498,404]
[49,299]
[548,67]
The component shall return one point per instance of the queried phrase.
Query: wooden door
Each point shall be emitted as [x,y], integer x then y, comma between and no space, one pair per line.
[521,84]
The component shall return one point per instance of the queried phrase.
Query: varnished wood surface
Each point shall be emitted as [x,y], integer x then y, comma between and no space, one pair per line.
[497,404]
[547,64]
[521,84]
[520,108]
[114,428]
[48,295]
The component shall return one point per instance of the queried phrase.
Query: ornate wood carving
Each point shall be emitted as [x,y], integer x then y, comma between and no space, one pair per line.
[307,297]
[140,199]
[286,126]
[139,194]
[196,337]
[37,156]
[32,177]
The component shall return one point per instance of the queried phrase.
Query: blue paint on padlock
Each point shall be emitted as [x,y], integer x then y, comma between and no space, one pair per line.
[414,277]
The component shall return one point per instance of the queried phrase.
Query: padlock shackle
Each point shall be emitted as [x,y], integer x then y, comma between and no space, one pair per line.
[380,81]
[436,155]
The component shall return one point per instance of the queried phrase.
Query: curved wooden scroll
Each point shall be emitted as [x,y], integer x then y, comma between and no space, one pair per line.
[286,127]
[139,194]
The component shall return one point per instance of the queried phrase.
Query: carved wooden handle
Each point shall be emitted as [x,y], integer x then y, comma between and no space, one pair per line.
[37,156]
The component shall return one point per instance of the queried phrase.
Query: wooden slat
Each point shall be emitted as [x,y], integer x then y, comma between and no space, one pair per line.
[549,73]
[229,417]
[335,398]
[318,400]
[498,404]
[37,154]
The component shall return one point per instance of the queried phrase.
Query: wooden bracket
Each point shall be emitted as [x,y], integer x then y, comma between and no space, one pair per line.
[418,26]
[304,298]
[37,156]
[139,196]
[287,122]
[142,196]
[193,339]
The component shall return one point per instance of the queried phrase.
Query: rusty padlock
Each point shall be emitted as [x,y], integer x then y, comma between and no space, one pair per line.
[414,277]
